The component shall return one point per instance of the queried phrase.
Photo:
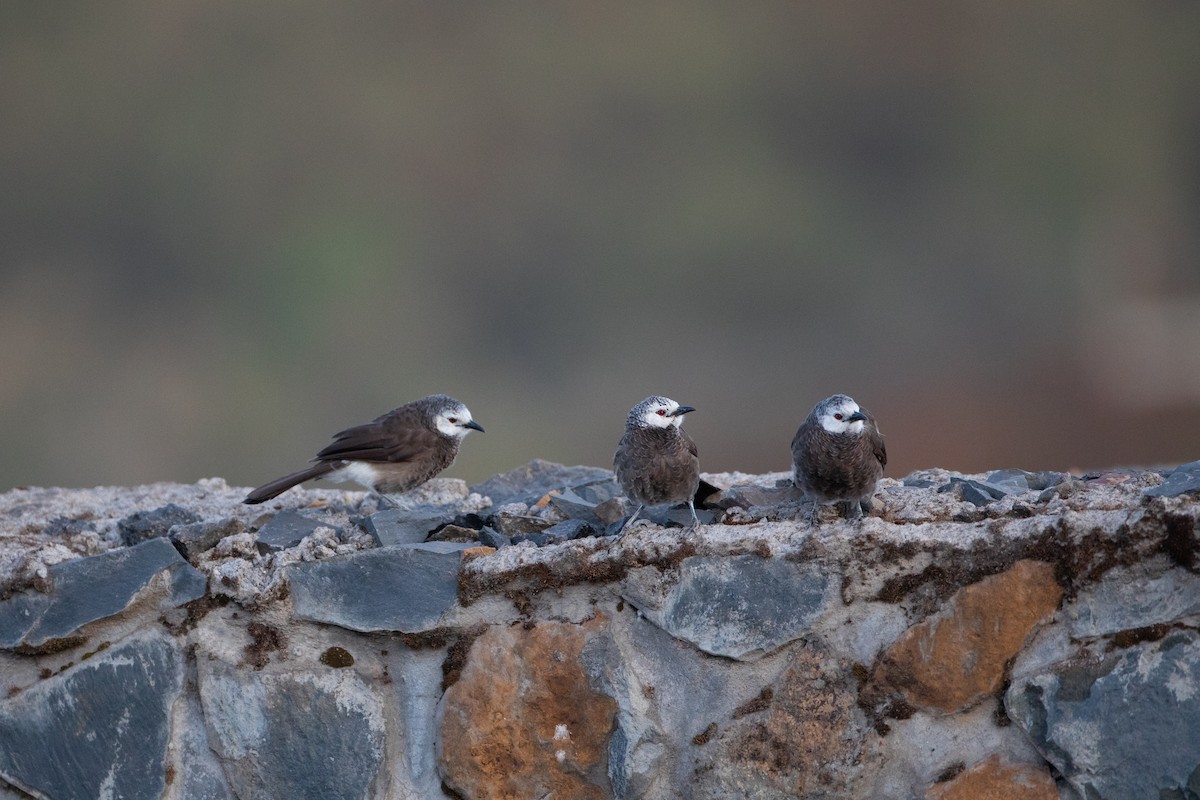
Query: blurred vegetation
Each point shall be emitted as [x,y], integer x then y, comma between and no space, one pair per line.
[228,229]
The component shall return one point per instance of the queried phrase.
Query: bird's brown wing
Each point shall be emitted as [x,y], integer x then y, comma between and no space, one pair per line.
[876,439]
[691,445]
[398,436]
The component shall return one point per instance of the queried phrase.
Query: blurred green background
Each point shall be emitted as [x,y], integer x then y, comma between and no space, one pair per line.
[230,229]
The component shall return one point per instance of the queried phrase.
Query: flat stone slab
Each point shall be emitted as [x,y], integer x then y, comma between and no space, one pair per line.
[143,525]
[1119,725]
[287,529]
[99,730]
[88,589]
[528,483]
[1183,479]
[741,607]
[396,526]
[298,734]
[408,588]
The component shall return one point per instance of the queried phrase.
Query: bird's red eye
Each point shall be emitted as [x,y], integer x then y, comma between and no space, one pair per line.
[454,420]
[661,413]
[835,416]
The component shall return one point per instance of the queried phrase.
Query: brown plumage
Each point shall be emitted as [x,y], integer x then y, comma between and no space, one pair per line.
[838,455]
[656,462]
[394,453]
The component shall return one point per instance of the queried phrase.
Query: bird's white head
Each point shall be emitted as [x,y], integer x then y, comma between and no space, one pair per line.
[451,418]
[840,414]
[657,412]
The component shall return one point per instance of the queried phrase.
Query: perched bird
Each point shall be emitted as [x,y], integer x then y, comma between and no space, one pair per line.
[392,454]
[838,455]
[656,462]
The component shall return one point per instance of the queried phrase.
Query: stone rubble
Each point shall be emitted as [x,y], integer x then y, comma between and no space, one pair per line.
[1011,634]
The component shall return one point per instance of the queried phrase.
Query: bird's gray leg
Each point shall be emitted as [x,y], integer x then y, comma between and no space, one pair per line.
[629,521]
[854,511]
[812,515]
[388,500]
[695,523]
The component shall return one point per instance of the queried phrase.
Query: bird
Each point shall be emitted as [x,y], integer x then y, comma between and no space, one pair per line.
[838,455]
[394,453]
[656,462]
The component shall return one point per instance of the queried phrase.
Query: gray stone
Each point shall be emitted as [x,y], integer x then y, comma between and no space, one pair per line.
[972,491]
[454,533]
[1019,481]
[88,589]
[64,526]
[740,607]
[610,511]
[1125,600]
[143,525]
[574,506]
[396,526]
[1182,480]
[570,529]
[407,588]
[98,730]
[918,483]
[1122,725]
[528,483]
[513,525]
[287,529]
[751,496]
[597,492]
[299,734]
[198,772]
[538,539]
[493,538]
[199,537]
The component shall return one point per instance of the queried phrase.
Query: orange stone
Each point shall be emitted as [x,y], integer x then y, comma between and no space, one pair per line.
[472,553]
[956,657]
[996,780]
[522,722]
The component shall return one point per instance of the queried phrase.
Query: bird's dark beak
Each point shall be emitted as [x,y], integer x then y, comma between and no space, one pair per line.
[857,416]
[679,412]
[475,426]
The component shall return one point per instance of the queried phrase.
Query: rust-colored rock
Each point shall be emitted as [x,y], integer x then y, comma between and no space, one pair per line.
[472,553]
[996,780]
[795,737]
[952,659]
[522,721]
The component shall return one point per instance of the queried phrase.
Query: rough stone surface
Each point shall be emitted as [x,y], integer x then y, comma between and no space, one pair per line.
[522,720]
[1184,479]
[958,656]
[1119,724]
[408,588]
[98,730]
[297,734]
[740,606]
[90,589]
[530,482]
[287,529]
[143,525]
[397,526]
[794,738]
[198,537]
[995,779]
[752,657]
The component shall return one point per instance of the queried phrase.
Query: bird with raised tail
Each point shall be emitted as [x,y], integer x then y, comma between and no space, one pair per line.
[838,455]
[656,462]
[390,455]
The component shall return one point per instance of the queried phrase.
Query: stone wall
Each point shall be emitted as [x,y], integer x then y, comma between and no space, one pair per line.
[1012,635]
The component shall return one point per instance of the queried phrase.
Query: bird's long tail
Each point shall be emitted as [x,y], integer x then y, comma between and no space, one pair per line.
[281,485]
